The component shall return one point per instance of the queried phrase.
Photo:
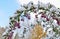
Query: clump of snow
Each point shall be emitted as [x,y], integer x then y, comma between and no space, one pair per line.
[43,14]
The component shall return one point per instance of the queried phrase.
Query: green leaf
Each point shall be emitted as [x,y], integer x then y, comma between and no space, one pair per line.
[46,9]
[50,6]
[12,21]
[41,8]
[10,18]
[15,17]
[25,7]
[18,19]
[18,11]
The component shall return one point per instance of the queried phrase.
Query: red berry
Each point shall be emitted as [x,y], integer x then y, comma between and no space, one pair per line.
[47,19]
[28,17]
[11,33]
[14,28]
[17,25]
[10,36]
[58,22]
[43,16]
[22,19]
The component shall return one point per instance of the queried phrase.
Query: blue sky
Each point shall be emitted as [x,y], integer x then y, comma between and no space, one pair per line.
[7,9]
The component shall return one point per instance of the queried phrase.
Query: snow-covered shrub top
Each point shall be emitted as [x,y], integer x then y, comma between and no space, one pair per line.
[30,15]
